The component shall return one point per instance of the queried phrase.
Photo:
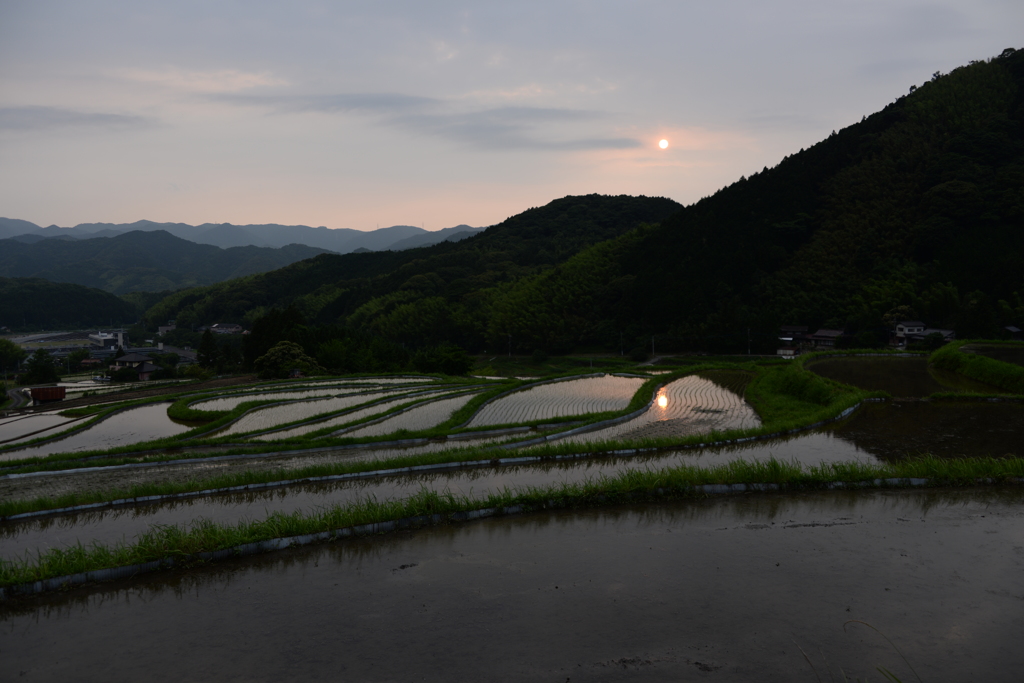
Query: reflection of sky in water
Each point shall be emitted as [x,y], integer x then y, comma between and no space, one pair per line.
[127,427]
[559,399]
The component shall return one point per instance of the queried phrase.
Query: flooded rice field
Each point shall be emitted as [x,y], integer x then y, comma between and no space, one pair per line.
[559,399]
[136,425]
[736,588]
[1007,353]
[117,524]
[902,377]
[31,426]
[341,420]
[273,416]
[421,417]
[690,405]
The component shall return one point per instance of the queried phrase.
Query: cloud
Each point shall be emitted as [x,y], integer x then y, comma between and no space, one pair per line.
[491,128]
[219,81]
[44,118]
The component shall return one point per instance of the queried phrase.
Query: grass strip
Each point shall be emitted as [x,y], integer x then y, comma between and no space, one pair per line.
[203,535]
[1006,376]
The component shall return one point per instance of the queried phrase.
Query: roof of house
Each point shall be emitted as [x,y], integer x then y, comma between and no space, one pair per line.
[1011,328]
[828,333]
[148,367]
[133,358]
[911,323]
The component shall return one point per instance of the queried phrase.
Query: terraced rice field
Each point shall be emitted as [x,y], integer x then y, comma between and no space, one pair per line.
[1008,353]
[273,416]
[419,418]
[21,427]
[122,429]
[560,399]
[689,405]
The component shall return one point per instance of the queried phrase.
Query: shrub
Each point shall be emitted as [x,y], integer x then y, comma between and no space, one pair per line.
[446,358]
[284,357]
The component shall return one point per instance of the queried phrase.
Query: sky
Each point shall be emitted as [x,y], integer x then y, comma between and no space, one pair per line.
[354,114]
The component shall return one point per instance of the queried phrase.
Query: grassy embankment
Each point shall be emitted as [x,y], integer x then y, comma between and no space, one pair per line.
[1006,376]
[184,543]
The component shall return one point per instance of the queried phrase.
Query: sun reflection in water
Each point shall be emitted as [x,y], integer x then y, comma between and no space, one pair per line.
[662,401]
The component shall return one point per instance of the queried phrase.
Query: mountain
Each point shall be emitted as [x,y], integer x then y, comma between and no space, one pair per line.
[33,303]
[916,211]
[439,290]
[226,235]
[138,261]
[459,232]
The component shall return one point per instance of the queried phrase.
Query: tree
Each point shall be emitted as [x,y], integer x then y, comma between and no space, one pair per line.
[10,355]
[284,357]
[40,369]
[207,353]
[446,358]
[75,359]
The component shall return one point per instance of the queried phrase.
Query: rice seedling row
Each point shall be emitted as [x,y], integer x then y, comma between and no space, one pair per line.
[560,399]
[23,427]
[422,417]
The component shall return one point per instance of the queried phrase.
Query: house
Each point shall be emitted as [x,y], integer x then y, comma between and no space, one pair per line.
[824,338]
[905,327]
[793,335]
[947,335]
[789,352]
[146,370]
[131,360]
[226,328]
[1015,332]
[164,329]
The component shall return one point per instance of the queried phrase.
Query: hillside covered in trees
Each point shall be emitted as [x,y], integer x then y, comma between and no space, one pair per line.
[915,211]
[34,303]
[140,261]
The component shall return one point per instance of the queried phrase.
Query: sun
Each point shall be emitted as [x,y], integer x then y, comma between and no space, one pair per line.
[662,401]
[663,144]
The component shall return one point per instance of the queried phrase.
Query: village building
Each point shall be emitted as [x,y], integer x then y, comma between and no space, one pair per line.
[825,338]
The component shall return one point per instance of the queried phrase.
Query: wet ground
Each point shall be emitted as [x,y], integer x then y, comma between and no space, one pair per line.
[733,588]
[902,377]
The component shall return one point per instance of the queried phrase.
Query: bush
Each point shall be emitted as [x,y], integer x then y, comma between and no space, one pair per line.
[125,375]
[639,354]
[282,358]
[447,359]
[539,356]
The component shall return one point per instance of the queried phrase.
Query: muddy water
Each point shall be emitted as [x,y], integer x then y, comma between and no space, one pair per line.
[901,377]
[901,429]
[130,426]
[728,588]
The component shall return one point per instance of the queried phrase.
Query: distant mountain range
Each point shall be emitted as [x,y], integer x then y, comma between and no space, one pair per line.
[226,235]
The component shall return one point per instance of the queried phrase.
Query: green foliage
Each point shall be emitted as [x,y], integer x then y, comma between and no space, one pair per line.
[10,355]
[207,354]
[32,304]
[125,375]
[446,358]
[39,369]
[283,358]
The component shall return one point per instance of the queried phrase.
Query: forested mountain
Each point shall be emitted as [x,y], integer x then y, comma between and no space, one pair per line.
[140,261]
[916,211]
[32,303]
[441,291]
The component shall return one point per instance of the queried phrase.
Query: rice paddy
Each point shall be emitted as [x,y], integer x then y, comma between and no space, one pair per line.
[690,405]
[136,425]
[559,399]
[416,419]
[273,416]
[22,427]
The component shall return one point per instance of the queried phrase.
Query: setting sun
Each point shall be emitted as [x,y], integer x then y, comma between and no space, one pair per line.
[663,144]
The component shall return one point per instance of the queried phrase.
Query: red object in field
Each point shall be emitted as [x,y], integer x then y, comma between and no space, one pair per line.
[43,394]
